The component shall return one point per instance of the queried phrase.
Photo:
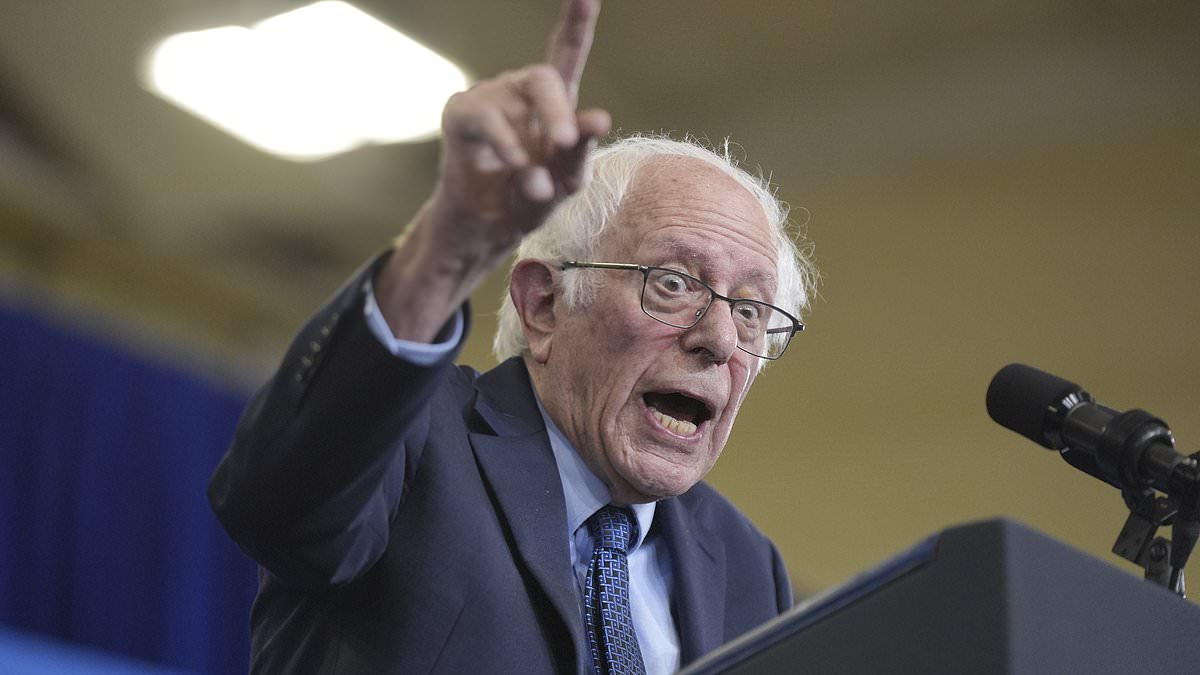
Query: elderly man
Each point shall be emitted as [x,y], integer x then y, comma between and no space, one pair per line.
[546,516]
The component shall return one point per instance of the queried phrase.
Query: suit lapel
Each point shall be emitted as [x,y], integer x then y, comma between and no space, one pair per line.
[698,568]
[518,465]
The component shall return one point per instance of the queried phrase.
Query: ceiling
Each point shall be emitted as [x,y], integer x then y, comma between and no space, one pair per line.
[984,182]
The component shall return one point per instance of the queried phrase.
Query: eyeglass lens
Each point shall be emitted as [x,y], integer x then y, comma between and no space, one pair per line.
[681,300]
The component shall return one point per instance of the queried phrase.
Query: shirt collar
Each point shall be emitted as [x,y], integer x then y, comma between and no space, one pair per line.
[584,492]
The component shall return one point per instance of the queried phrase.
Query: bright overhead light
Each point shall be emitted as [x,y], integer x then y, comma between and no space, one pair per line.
[309,83]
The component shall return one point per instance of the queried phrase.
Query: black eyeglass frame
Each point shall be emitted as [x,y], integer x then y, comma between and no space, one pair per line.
[797,325]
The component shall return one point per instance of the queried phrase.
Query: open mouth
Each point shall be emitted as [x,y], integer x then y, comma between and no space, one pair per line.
[679,413]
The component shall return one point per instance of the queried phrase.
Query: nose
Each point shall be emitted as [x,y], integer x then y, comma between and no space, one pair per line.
[714,336]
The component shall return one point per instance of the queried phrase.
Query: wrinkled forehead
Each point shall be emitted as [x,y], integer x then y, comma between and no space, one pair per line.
[690,211]
[705,257]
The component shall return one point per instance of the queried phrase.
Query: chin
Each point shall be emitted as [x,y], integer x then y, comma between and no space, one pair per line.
[660,484]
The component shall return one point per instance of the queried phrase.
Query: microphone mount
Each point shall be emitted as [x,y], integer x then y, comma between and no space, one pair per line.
[1162,559]
[1136,449]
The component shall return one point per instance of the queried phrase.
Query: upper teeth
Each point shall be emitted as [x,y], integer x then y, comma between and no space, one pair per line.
[682,427]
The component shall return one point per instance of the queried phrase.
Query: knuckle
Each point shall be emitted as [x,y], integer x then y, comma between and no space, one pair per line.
[455,101]
[541,74]
[479,95]
[486,161]
[468,116]
[457,106]
[467,128]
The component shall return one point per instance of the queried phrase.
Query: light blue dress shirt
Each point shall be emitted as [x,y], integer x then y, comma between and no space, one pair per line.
[649,563]
[650,575]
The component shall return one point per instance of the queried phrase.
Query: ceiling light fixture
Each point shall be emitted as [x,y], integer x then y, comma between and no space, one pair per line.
[309,83]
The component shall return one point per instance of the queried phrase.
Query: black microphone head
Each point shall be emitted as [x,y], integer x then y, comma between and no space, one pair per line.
[1025,399]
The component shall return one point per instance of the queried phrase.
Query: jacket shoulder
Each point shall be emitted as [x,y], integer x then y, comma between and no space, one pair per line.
[714,510]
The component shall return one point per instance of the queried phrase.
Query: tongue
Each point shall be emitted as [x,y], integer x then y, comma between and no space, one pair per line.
[676,405]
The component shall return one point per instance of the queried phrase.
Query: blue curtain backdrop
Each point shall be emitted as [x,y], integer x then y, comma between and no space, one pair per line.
[106,538]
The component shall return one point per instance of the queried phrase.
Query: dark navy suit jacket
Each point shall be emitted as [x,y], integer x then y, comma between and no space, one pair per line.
[411,519]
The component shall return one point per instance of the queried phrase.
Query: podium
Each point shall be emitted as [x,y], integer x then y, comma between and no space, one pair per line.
[993,597]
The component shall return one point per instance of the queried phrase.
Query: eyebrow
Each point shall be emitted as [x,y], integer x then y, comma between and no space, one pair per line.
[754,277]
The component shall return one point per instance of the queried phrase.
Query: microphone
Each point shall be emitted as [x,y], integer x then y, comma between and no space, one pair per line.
[1130,450]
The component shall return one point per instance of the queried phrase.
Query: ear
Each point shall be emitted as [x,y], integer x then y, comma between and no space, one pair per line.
[532,289]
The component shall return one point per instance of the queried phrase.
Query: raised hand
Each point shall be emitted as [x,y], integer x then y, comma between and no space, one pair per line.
[513,147]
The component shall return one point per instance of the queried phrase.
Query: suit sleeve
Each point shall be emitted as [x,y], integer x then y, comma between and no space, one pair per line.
[321,455]
[783,583]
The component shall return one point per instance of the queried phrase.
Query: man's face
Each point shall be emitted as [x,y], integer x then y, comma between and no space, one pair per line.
[648,406]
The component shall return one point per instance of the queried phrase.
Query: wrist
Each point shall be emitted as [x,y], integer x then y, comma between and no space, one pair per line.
[430,274]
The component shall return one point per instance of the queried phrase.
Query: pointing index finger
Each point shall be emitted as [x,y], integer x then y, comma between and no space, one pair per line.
[571,41]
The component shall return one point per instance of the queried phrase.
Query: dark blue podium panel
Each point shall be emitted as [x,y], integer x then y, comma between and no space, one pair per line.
[991,597]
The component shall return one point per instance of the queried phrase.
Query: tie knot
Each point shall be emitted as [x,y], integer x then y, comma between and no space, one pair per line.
[611,527]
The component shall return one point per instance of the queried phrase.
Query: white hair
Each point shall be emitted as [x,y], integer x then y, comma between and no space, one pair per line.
[574,229]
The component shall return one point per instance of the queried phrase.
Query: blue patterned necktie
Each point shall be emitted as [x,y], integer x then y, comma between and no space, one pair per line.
[614,644]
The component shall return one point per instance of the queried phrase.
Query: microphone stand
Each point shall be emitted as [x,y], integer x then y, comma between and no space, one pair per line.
[1163,559]
[1185,484]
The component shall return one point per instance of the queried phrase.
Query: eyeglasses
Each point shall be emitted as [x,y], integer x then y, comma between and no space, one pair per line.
[681,300]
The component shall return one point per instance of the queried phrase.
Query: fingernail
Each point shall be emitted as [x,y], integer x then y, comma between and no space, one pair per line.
[537,185]
[565,134]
